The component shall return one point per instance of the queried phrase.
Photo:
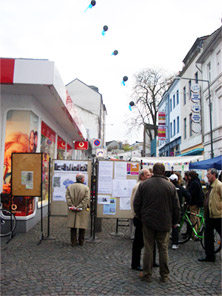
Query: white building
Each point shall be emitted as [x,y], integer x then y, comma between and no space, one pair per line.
[192,140]
[210,63]
[89,103]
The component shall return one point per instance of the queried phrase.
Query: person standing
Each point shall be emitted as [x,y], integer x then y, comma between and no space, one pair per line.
[138,238]
[78,201]
[184,196]
[197,198]
[156,204]
[213,214]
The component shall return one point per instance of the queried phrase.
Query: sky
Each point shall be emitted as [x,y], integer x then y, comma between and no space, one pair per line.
[147,34]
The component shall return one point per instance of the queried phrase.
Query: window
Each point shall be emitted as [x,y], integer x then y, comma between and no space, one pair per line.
[209,71]
[178,124]
[177,97]
[170,105]
[171,129]
[196,77]
[191,125]
[185,128]
[218,61]
[174,127]
[184,95]
[173,101]
[190,88]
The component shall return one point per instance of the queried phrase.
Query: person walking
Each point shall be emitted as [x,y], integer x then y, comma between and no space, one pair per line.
[138,237]
[184,196]
[157,205]
[197,198]
[213,214]
[78,201]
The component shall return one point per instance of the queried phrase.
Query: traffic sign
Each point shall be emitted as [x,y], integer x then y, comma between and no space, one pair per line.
[96,142]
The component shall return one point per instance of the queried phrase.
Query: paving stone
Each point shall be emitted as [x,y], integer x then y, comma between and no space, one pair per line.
[101,268]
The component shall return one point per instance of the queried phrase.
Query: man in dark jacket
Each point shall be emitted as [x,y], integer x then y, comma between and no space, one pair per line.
[156,204]
[197,197]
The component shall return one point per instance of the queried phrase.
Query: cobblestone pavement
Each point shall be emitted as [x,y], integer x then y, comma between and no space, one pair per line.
[100,267]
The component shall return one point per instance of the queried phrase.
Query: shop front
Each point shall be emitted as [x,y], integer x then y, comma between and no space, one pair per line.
[35,117]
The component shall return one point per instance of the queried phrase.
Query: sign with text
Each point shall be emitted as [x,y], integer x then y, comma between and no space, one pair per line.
[161,118]
[81,145]
[161,133]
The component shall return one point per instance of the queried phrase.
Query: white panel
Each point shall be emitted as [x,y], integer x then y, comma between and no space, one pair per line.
[33,71]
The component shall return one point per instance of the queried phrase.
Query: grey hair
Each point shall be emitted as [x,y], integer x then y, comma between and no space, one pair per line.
[79,177]
[141,174]
[213,171]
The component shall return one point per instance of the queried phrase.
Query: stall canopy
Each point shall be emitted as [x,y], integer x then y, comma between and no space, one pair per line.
[215,162]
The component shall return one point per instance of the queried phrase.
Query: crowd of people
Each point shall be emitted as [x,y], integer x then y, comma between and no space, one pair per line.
[156,203]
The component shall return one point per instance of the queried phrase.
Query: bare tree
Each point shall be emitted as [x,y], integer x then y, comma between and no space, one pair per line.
[149,86]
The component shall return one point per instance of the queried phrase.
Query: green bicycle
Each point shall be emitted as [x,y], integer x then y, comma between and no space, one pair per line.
[186,229]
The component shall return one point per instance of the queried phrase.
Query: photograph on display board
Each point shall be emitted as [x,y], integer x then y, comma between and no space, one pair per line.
[65,172]
[21,135]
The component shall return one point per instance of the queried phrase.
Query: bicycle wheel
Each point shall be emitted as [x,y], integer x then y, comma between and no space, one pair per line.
[8,222]
[217,241]
[185,232]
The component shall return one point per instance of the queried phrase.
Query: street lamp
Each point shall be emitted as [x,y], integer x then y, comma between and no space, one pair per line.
[210,110]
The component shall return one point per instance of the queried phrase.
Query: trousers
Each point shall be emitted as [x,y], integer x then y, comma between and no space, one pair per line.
[151,236]
[211,224]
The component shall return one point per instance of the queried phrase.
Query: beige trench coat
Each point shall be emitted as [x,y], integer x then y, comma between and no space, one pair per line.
[78,195]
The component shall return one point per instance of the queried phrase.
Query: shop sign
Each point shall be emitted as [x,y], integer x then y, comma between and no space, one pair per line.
[81,145]
[196,118]
[161,118]
[162,133]
[195,97]
[196,108]
[195,88]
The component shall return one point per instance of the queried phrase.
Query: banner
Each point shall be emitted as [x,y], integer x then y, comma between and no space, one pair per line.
[162,118]
[162,133]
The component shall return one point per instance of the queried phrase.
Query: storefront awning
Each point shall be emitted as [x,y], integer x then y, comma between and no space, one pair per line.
[40,79]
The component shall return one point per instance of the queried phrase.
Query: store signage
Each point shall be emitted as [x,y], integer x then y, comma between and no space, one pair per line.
[162,133]
[195,88]
[81,145]
[195,97]
[196,118]
[196,108]
[161,118]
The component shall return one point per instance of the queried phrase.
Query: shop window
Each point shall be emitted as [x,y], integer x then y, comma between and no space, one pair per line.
[21,135]
[69,152]
[61,148]
[48,150]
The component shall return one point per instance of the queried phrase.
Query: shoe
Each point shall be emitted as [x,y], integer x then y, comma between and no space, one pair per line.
[145,278]
[175,247]
[164,279]
[156,265]
[139,268]
[206,259]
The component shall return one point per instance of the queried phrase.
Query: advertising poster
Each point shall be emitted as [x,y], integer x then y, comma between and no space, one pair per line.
[65,172]
[61,148]
[21,135]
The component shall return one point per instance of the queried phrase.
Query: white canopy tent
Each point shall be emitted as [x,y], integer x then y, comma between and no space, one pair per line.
[178,163]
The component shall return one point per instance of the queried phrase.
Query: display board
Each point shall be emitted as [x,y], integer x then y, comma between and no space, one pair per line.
[64,174]
[115,181]
[26,174]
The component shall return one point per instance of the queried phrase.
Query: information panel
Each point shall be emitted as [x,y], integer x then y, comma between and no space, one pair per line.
[115,183]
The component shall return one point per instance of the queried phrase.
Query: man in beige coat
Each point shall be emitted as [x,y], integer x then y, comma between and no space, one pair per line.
[78,201]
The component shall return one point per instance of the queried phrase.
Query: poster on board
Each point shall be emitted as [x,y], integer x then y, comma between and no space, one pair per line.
[65,172]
